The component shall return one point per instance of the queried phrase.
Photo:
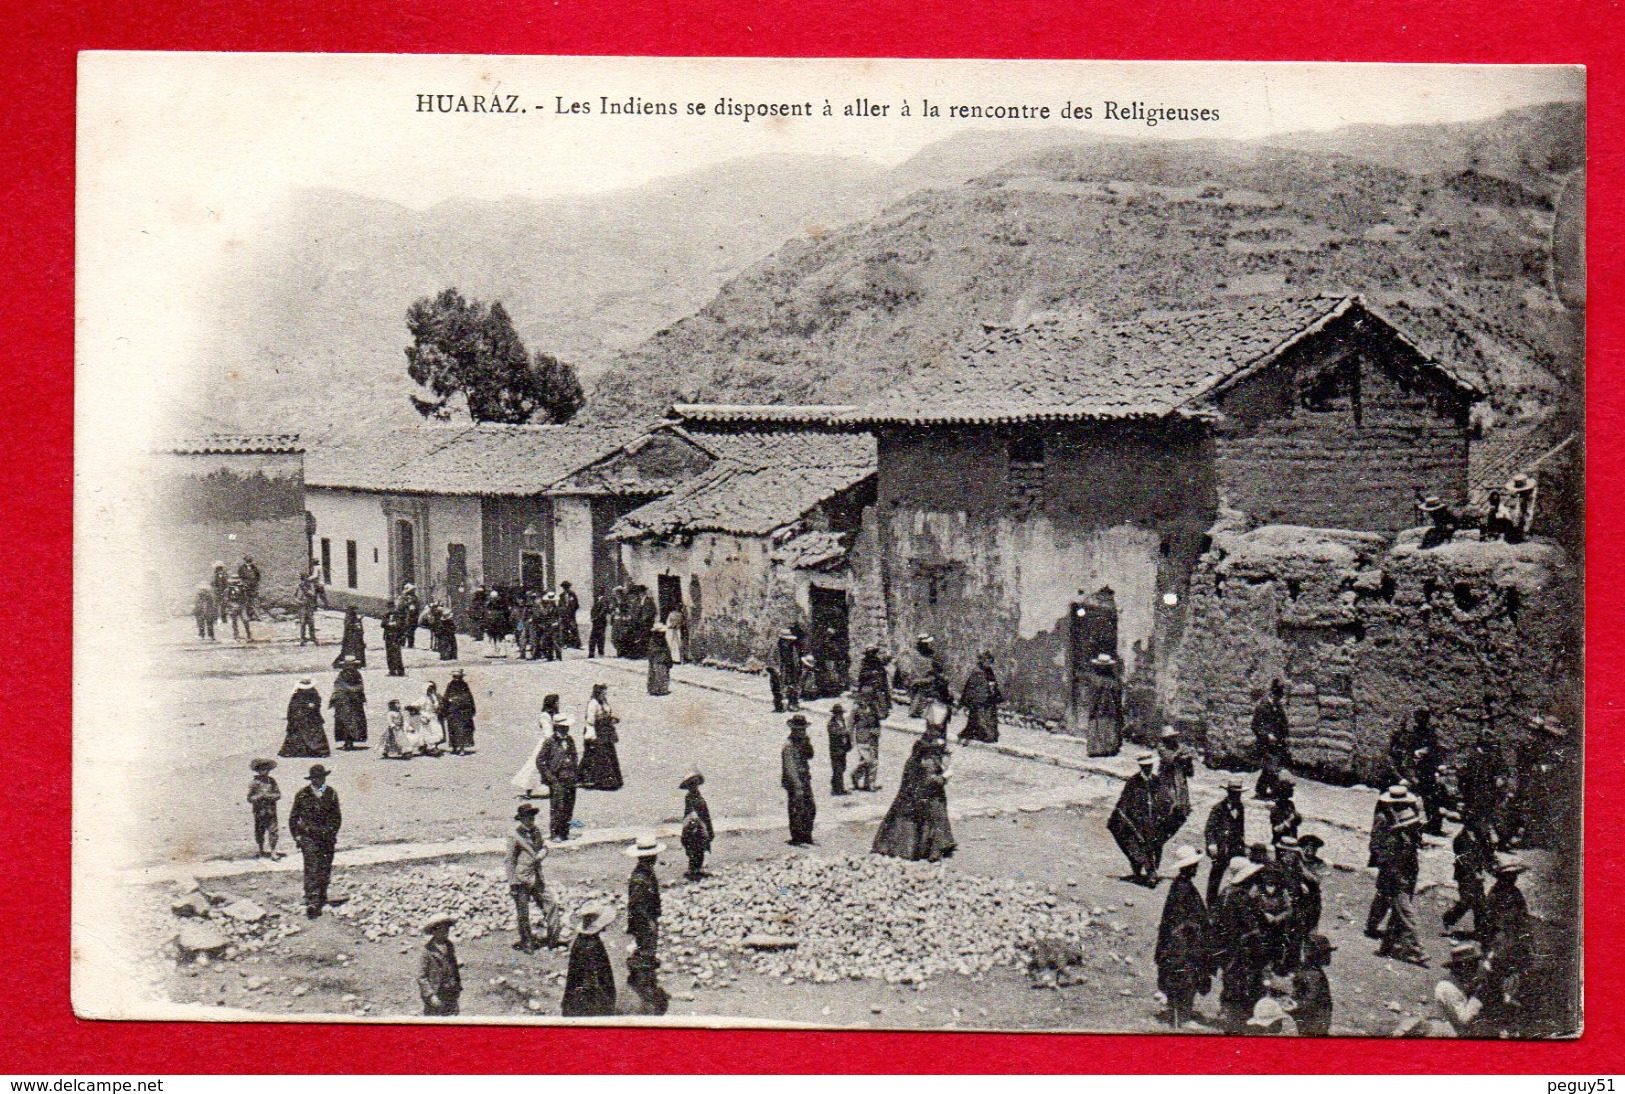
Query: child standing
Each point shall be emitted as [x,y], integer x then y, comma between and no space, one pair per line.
[395,738]
[697,830]
[263,794]
[840,743]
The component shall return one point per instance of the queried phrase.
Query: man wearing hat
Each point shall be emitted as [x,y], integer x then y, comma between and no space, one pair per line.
[795,763]
[560,768]
[1240,946]
[263,794]
[1133,824]
[1171,784]
[589,986]
[1442,522]
[1181,953]
[1509,944]
[1396,855]
[526,883]
[1284,815]
[1518,508]
[643,906]
[697,830]
[440,982]
[1474,860]
[1271,737]
[1225,835]
[1311,990]
[411,605]
[787,659]
[314,823]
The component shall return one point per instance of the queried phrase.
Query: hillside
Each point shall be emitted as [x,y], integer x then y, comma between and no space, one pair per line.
[1113,229]
[308,319]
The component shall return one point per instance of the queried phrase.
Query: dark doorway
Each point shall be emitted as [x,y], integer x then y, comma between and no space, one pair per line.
[828,640]
[533,570]
[457,579]
[669,591]
[405,554]
[1092,630]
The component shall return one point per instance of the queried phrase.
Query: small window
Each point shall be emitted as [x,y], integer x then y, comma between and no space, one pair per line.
[350,564]
[375,556]
[1027,450]
[327,561]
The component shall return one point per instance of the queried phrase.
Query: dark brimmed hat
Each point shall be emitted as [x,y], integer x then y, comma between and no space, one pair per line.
[692,782]
[444,919]
[317,770]
[1311,842]
[526,811]
[797,721]
[262,765]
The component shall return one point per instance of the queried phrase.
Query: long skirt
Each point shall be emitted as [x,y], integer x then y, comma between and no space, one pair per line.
[528,780]
[305,738]
[350,723]
[600,766]
[1106,723]
[460,729]
[981,724]
[659,676]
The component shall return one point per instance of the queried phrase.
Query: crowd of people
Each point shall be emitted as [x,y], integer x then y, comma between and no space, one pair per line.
[1251,932]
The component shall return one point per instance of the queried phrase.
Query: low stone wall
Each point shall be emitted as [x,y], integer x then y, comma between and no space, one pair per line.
[1363,632]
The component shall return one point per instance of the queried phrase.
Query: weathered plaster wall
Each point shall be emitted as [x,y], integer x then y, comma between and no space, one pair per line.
[1363,633]
[984,555]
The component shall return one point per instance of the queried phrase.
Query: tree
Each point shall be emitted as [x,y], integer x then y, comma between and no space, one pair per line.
[466,347]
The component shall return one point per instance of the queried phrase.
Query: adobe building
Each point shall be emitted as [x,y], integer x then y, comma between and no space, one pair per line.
[445,507]
[219,497]
[761,540]
[1047,494]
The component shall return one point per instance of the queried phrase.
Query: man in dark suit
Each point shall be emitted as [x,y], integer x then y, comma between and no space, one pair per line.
[314,824]
[560,768]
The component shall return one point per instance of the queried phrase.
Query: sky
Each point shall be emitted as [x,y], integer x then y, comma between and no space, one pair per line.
[181,156]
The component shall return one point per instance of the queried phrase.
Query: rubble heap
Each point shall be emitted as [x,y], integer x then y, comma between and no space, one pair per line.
[864,917]
[395,904]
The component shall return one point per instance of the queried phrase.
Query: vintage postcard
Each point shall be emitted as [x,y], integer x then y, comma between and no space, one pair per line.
[855,544]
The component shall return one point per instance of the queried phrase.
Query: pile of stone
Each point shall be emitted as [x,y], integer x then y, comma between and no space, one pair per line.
[862,917]
[213,926]
[394,905]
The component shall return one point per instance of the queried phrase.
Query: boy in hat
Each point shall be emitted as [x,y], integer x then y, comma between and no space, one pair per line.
[796,778]
[589,986]
[440,982]
[526,883]
[1181,953]
[263,794]
[314,823]
[697,830]
[1311,991]
[1456,1001]
[1225,835]
[840,743]
[643,906]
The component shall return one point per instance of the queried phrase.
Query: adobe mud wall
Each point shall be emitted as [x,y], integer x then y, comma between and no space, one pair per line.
[1362,633]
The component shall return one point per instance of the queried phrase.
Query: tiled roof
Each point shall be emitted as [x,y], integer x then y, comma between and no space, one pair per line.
[1148,367]
[214,443]
[1508,452]
[773,482]
[812,551]
[474,460]
[730,413]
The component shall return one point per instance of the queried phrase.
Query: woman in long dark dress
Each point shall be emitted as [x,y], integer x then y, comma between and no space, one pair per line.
[916,826]
[589,985]
[981,699]
[600,762]
[307,731]
[458,705]
[659,661]
[354,643]
[349,703]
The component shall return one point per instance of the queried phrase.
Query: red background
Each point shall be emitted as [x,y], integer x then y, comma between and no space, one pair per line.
[36,414]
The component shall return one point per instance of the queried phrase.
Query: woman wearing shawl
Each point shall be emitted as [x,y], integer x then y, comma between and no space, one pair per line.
[600,762]
[659,661]
[916,826]
[589,985]
[349,704]
[528,780]
[354,643]
[458,705]
[307,732]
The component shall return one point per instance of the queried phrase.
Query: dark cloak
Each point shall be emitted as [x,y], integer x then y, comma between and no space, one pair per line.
[354,643]
[458,705]
[1133,825]
[659,665]
[1181,953]
[349,703]
[916,826]
[1171,784]
[981,698]
[307,731]
[589,986]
